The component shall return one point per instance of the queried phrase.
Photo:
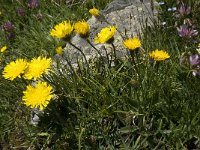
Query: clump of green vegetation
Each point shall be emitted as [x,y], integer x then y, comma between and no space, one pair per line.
[150,100]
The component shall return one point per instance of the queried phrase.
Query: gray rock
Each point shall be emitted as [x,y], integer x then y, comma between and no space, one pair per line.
[130,16]
[121,4]
[116,5]
[34,116]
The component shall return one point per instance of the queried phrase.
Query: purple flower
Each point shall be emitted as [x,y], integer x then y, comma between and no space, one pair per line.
[195,64]
[194,60]
[184,10]
[11,36]
[33,4]
[8,26]
[186,32]
[20,12]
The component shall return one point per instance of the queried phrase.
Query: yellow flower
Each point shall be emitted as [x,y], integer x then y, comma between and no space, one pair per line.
[59,50]
[3,49]
[105,35]
[82,28]
[38,96]
[15,69]
[62,30]
[94,12]
[132,43]
[159,55]
[37,67]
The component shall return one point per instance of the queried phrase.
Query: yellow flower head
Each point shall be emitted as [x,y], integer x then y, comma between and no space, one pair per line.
[132,43]
[94,12]
[82,28]
[14,69]
[159,55]
[38,96]
[59,50]
[62,30]
[3,49]
[105,35]
[37,67]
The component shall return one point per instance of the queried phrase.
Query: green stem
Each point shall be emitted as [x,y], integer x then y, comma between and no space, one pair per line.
[137,59]
[94,47]
[80,52]
[107,57]
[114,49]
[79,138]
[70,65]
[134,63]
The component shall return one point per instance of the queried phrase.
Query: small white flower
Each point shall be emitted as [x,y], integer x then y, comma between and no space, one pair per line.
[161,3]
[163,23]
[171,9]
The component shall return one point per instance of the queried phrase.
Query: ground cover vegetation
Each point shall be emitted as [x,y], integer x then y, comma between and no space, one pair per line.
[147,100]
